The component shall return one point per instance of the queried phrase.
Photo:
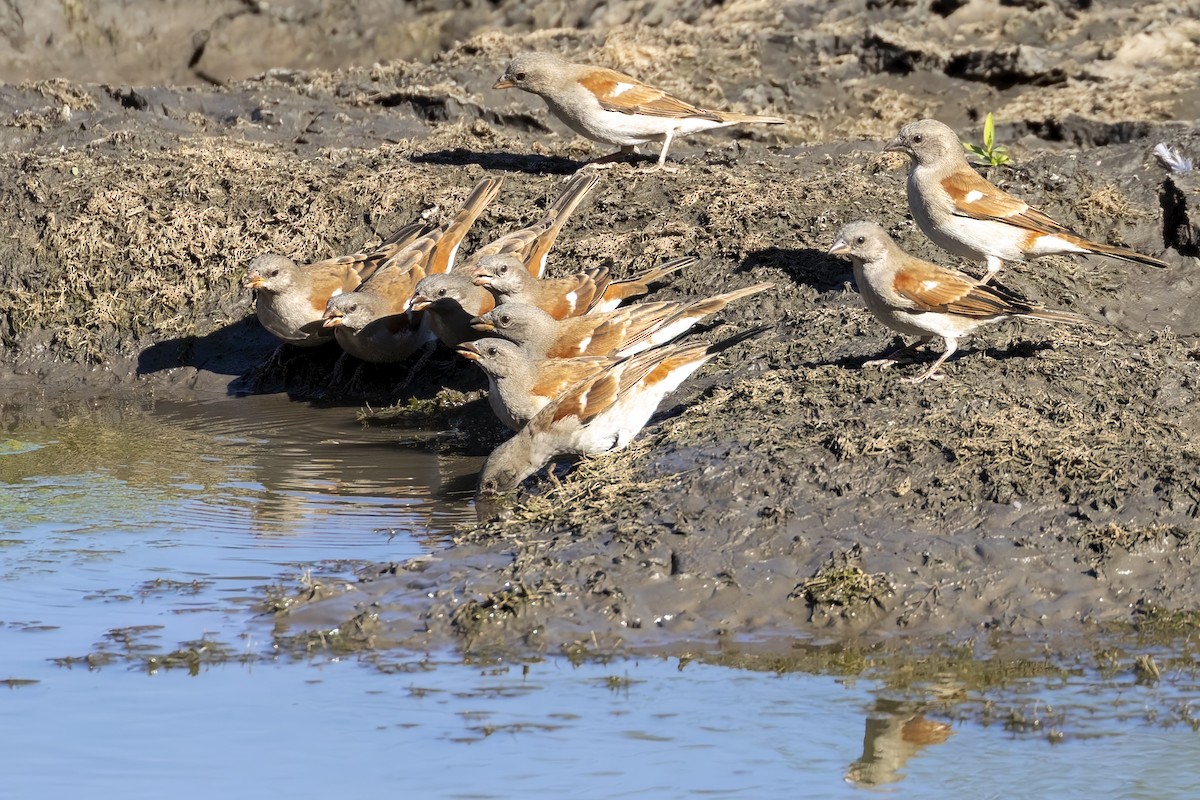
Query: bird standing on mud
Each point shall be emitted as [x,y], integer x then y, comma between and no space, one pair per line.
[966,215]
[291,298]
[374,322]
[520,384]
[612,108]
[917,298]
[602,413]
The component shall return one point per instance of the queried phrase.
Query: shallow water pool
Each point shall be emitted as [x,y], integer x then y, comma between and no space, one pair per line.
[134,535]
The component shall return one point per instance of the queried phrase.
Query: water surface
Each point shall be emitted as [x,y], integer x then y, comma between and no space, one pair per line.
[134,534]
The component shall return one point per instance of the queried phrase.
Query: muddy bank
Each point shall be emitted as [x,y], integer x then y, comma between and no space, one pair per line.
[1049,484]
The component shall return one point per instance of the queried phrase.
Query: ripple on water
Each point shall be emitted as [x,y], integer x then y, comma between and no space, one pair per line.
[176,514]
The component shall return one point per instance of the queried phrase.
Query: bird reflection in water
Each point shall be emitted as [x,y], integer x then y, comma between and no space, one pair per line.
[896,731]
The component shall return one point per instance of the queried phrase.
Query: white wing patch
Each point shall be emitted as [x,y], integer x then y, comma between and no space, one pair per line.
[583,345]
[974,195]
[930,284]
[571,299]
[621,88]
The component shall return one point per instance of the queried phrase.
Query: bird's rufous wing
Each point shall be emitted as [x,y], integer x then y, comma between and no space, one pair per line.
[584,401]
[570,296]
[532,243]
[618,92]
[973,196]
[931,288]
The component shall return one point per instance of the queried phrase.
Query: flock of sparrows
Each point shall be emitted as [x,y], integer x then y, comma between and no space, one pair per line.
[570,369]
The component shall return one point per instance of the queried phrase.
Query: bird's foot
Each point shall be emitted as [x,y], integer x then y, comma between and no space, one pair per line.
[928,374]
[667,168]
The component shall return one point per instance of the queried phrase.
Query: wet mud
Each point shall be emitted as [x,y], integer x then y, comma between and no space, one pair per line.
[1048,486]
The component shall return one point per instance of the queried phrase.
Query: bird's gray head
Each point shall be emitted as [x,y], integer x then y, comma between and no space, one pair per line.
[533,72]
[270,273]
[442,290]
[508,465]
[501,274]
[927,141]
[499,358]
[517,322]
[350,310]
[862,241]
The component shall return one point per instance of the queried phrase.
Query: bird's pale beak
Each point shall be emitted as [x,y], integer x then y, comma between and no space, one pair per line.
[253,281]
[503,83]
[896,146]
[468,350]
[419,303]
[332,321]
[481,324]
[839,247]
[482,279]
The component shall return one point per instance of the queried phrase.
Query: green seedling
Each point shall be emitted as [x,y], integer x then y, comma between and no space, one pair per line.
[990,154]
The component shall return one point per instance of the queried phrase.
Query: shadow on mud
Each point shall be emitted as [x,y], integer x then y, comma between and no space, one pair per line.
[507,162]
[805,265]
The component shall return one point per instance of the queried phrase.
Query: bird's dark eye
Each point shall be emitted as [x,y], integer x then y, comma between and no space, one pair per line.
[492,351]
[520,76]
[503,269]
[917,138]
[861,240]
[441,293]
[505,319]
[272,273]
[352,309]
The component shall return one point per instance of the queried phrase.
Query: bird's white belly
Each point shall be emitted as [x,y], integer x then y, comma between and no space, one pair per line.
[626,130]
[614,429]
[964,236]
[500,403]
[947,326]
[290,318]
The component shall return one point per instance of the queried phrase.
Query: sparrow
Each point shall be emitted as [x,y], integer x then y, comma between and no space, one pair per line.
[450,301]
[917,298]
[531,244]
[621,332]
[453,300]
[291,298]
[966,215]
[582,293]
[612,108]
[374,323]
[520,383]
[601,413]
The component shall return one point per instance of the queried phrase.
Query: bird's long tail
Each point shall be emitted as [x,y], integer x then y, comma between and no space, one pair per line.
[617,291]
[1123,254]
[732,118]
[711,305]
[1049,315]
[556,217]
